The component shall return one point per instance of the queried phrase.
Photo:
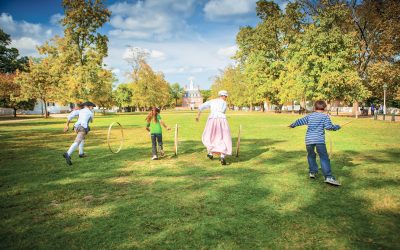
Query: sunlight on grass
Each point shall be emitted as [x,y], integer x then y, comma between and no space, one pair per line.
[262,199]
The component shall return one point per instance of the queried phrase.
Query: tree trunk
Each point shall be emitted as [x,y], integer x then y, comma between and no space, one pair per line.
[46,115]
[355,108]
[292,107]
[15,112]
[251,107]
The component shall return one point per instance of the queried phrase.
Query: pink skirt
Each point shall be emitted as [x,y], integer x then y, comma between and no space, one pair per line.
[217,136]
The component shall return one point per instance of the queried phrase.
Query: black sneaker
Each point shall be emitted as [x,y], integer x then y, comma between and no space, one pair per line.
[82,156]
[67,158]
[210,156]
[223,162]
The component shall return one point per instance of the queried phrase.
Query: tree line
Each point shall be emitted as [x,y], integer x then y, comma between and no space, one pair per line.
[70,68]
[334,50]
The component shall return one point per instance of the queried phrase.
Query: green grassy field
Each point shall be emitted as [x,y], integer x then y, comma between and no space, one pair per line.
[262,199]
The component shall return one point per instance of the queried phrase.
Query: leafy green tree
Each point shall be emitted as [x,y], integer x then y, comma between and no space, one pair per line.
[10,62]
[149,88]
[176,92]
[9,57]
[40,82]
[206,94]
[10,93]
[82,19]
[123,95]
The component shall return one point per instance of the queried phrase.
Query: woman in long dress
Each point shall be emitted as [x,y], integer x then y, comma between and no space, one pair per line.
[217,135]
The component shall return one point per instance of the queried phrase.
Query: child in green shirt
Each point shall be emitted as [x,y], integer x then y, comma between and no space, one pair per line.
[154,123]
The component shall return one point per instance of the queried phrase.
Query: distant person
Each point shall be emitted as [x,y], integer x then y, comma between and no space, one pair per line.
[217,135]
[372,109]
[154,123]
[317,122]
[81,127]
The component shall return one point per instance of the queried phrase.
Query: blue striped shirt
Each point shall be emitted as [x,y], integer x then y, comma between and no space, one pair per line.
[317,122]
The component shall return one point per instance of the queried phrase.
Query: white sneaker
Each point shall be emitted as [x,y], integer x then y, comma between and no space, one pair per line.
[312,175]
[331,180]
[154,157]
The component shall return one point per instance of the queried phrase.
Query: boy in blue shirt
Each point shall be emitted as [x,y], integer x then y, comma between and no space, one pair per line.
[317,122]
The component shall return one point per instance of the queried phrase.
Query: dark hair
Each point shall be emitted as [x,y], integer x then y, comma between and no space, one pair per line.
[320,105]
[150,116]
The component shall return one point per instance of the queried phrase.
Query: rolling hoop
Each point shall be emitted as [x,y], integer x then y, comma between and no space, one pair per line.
[238,141]
[176,139]
[121,143]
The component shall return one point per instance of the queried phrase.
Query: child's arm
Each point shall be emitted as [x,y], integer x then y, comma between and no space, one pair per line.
[148,127]
[329,126]
[164,125]
[299,122]
[69,118]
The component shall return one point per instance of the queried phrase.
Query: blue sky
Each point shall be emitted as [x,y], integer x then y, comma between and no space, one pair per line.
[184,38]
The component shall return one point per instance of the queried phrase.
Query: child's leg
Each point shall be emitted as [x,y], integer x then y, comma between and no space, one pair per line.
[79,138]
[81,147]
[153,145]
[160,142]
[312,158]
[324,158]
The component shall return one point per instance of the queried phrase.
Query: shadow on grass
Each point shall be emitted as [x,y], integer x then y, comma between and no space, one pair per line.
[128,201]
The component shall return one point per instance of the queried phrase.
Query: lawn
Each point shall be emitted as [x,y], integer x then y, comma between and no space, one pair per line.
[262,199]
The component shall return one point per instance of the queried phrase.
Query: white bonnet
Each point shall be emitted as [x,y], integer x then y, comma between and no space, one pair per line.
[223,93]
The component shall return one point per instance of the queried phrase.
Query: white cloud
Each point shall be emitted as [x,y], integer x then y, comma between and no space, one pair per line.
[216,9]
[56,19]
[228,51]
[25,43]
[151,19]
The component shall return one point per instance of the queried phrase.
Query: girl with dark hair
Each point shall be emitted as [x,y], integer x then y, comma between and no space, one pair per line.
[154,123]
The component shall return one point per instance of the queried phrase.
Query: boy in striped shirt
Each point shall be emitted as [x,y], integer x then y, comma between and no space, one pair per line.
[317,122]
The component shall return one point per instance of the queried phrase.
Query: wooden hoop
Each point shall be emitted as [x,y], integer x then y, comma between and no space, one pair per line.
[122,137]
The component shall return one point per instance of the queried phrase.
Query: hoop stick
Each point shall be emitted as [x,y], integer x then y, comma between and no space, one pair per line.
[176,139]
[238,141]
[344,124]
[122,138]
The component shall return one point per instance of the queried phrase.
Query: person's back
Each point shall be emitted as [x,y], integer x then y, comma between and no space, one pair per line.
[316,123]
[217,108]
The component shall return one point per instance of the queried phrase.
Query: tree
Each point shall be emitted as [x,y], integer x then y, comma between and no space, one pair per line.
[149,88]
[9,61]
[123,95]
[10,93]
[176,92]
[40,82]
[206,94]
[82,19]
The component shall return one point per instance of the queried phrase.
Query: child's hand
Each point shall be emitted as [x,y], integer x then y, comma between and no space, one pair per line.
[66,128]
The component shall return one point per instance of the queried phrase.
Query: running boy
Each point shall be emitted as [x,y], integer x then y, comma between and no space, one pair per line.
[154,123]
[317,122]
[81,127]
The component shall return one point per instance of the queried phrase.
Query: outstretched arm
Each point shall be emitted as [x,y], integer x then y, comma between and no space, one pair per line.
[329,126]
[164,125]
[299,122]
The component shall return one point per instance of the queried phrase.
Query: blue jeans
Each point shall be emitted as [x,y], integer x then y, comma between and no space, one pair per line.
[154,139]
[323,156]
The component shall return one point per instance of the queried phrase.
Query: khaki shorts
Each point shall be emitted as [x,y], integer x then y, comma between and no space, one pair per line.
[81,133]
